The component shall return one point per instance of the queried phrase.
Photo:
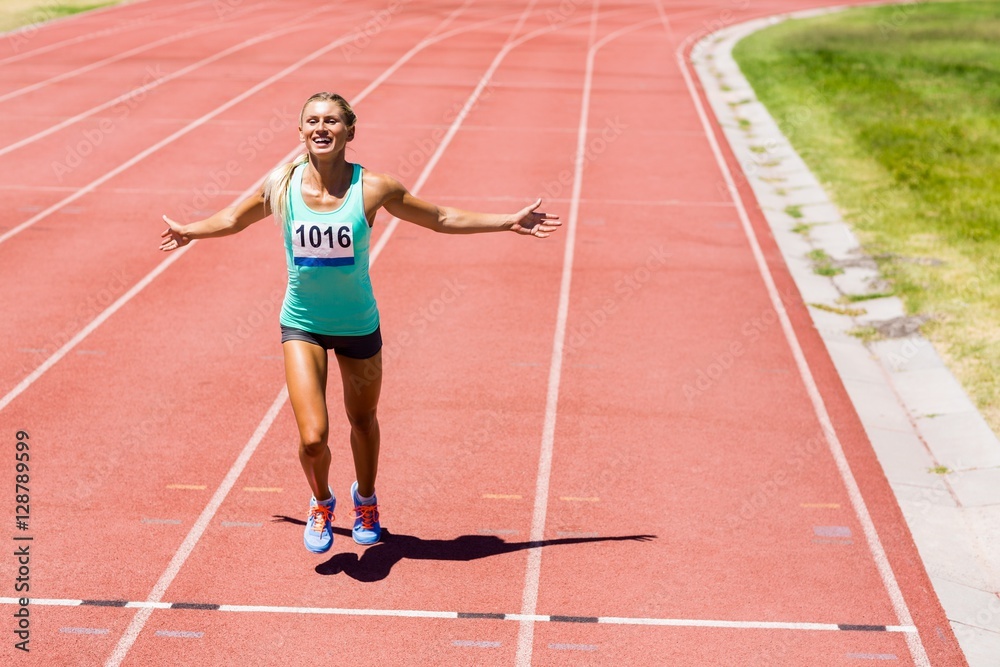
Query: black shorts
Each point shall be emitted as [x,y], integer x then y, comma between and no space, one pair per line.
[354,347]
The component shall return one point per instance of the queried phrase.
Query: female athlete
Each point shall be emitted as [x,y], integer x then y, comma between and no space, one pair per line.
[326,206]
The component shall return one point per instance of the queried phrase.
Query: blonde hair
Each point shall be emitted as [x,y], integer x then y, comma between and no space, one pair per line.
[277,183]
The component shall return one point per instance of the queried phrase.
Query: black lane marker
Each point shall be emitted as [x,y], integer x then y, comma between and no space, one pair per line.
[862,628]
[105,603]
[494,617]
[573,619]
[194,605]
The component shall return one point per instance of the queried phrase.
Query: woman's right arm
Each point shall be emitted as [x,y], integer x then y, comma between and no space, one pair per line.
[227,221]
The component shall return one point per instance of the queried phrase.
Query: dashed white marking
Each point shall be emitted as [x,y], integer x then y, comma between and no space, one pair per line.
[85,631]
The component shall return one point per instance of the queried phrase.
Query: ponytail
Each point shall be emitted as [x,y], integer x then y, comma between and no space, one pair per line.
[276,187]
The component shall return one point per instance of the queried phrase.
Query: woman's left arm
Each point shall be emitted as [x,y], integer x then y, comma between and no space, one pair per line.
[398,201]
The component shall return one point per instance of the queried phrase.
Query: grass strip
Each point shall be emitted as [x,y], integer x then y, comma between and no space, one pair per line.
[894,109]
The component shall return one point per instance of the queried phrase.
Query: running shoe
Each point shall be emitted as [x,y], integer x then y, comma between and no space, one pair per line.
[367,529]
[318,535]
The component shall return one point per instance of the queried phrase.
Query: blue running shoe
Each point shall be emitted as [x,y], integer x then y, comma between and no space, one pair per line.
[318,535]
[367,529]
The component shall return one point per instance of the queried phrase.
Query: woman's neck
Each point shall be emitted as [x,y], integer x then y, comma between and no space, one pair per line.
[333,175]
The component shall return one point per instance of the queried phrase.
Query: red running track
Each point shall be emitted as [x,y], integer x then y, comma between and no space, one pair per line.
[551,493]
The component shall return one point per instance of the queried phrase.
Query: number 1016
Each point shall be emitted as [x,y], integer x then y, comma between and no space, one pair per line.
[315,236]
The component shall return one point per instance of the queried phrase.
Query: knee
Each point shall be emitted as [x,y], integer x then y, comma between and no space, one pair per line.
[363,421]
[312,441]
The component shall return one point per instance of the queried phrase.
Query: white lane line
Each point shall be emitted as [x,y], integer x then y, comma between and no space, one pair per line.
[182,553]
[135,95]
[141,21]
[529,600]
[38,85]
[529,595]
[913,642]
[51,602]
[536,618]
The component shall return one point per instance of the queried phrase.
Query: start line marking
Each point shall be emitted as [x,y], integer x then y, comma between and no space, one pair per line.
[537,618]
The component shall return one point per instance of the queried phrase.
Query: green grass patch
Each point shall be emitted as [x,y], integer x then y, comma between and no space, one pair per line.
[866,334]
[857,298]
[18,13]
[939,470]
[802,228]
[895,109]
[794,211]
[823,263]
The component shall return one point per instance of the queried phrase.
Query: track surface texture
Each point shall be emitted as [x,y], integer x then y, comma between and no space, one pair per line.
[623,445]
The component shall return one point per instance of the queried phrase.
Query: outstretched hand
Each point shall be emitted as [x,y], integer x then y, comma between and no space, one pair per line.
[535,223]
[173,236]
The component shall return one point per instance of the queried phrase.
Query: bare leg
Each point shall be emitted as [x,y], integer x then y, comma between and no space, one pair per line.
[362,380]
[305,374]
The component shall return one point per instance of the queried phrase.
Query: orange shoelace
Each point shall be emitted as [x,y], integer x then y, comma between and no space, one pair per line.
[368,514]
[320,514]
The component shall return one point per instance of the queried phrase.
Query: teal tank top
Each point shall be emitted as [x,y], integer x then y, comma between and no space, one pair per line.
[329,291]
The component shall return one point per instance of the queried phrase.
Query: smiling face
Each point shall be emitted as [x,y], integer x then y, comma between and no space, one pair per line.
[323,127]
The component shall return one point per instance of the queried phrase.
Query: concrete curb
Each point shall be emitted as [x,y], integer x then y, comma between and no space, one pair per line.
[914,411]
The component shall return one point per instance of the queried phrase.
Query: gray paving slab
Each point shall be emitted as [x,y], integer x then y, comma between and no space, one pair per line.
[855,362]
[854,280]
[880,310]
[916,499]
[972,607]
[795,245]
[903,458]
[795,179]
[836,238]
[981,647]
[882,408]
[816,211]
[933,391]
[960,441]
[912,353]
[948,553]
[976,488]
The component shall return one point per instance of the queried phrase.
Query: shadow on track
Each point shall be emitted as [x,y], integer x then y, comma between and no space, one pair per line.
[377,560]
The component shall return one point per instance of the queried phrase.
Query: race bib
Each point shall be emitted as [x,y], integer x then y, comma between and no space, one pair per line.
[322,244]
